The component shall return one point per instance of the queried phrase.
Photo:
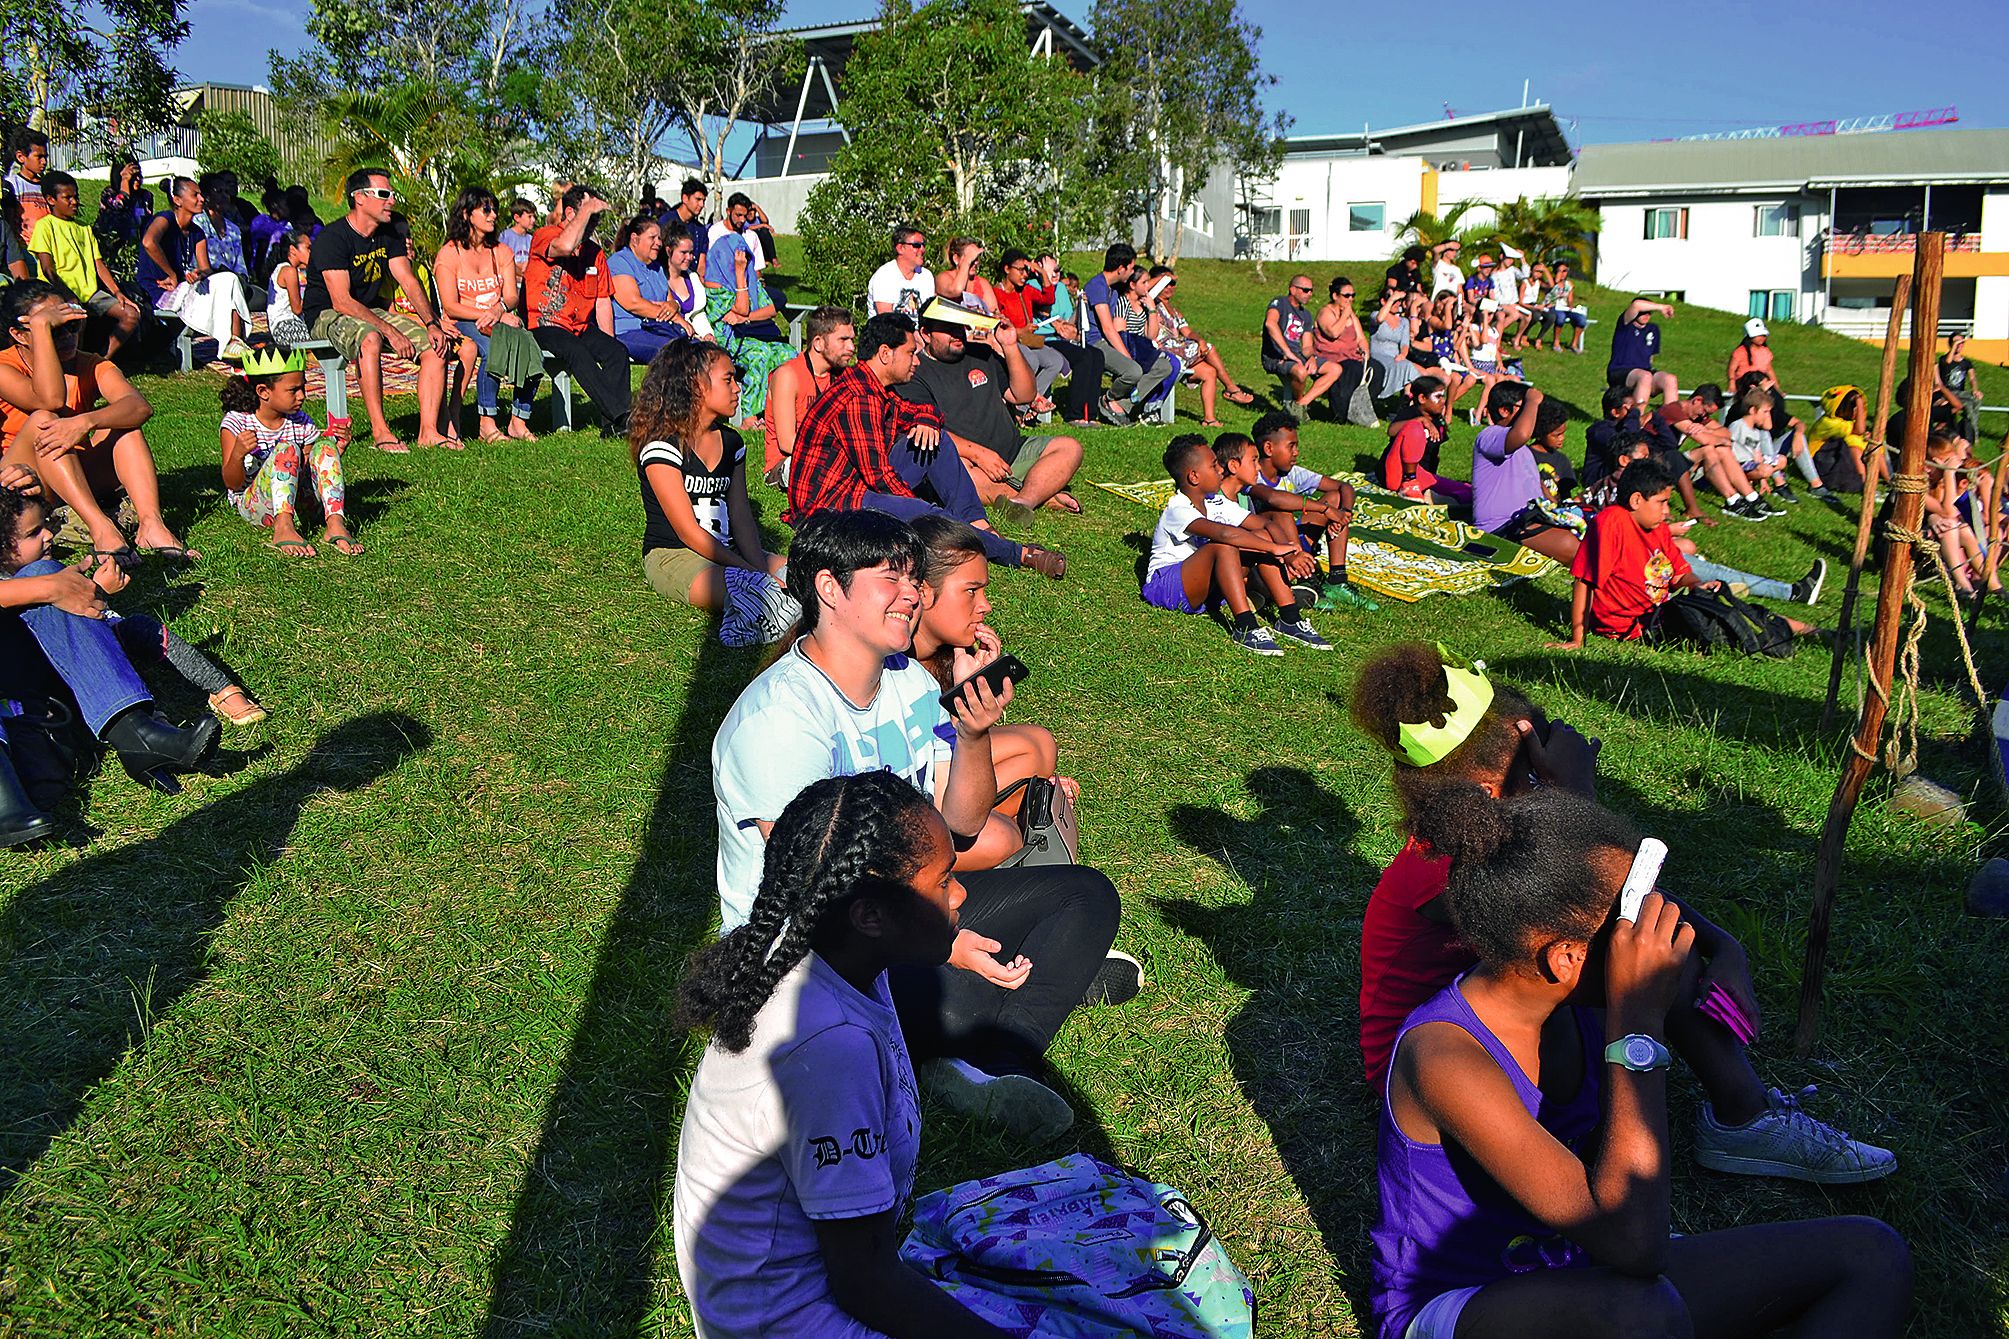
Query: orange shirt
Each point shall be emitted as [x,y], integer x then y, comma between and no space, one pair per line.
[81,387]
[562,290]
[803,386]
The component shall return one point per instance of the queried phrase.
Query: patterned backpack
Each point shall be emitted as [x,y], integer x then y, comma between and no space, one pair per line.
[1076,1249]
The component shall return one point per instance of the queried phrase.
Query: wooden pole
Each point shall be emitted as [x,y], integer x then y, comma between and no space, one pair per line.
[1845,640]
[1910,507]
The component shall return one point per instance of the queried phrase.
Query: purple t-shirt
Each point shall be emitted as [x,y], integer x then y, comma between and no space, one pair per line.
[1503,482]
[1095,291]
[1445,1223]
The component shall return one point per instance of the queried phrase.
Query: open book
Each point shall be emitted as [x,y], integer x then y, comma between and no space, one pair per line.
[950,313]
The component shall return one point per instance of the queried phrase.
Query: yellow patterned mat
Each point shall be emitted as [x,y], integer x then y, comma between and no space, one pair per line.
[1401,549]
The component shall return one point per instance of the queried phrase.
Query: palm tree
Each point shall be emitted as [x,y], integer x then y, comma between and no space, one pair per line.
[421,134]
[1428,230]
[1549,229]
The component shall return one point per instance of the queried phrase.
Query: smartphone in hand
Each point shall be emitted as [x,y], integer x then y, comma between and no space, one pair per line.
[1007,668]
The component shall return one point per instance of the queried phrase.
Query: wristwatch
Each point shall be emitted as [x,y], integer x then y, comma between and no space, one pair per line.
[1638,1052]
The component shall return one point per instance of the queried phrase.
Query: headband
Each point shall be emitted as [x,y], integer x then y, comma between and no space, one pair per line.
[1471,693]
[270,363]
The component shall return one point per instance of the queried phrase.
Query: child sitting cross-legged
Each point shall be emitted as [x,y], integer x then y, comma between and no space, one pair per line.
[1524,1155]
[268,444]
[1630,565]
[1205,543]
[1507,493]
[1321,505]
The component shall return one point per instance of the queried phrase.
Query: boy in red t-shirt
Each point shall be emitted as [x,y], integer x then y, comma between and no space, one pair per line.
[1631,564]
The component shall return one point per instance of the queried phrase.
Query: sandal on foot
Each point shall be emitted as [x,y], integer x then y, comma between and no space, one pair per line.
[246,712]
[1049,563]
[346,545]
[494,435]
[179,552]
[391,446]
[1240,395]
[293,548]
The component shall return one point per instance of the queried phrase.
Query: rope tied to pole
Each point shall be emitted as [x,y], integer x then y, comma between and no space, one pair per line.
[1902,711]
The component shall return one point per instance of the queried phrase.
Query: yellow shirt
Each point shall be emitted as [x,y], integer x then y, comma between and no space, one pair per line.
[73,248]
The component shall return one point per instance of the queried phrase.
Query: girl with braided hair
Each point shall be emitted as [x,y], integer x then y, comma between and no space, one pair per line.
[1448,727]
[803,1124]
[1523,1158]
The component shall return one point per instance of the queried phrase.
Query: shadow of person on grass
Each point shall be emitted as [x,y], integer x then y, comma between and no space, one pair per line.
[88,954]
[592,1216]
[1295,946]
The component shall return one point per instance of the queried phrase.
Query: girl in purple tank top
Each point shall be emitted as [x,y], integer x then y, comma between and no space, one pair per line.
[1523,1162]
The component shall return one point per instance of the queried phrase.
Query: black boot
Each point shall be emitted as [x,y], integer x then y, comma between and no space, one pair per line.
[150,746]
[20,821]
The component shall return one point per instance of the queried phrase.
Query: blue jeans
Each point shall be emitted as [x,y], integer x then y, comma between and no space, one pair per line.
[942,474]
[1764,588]
[648,339]
[86,655]
[488,389]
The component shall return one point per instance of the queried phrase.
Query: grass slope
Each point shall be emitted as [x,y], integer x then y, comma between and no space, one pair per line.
[370,1034]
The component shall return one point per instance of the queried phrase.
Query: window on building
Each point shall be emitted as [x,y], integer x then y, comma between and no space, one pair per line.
[1267,221]
[1666,223]
[1366,217]
[1300,223]
[1775,221]
[1770,304]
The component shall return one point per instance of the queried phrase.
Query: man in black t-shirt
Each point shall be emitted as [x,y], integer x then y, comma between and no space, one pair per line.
[1406,274]
[1956,379]
[1287,349]
[971,381]
[350,273]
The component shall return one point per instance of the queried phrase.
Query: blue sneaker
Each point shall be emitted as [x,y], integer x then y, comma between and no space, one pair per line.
[1256,639]
[1304,635]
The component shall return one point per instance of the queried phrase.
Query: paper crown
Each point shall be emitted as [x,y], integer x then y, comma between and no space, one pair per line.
[271,362]
[1471,693]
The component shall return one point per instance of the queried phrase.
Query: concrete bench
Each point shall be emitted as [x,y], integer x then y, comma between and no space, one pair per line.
[334,369]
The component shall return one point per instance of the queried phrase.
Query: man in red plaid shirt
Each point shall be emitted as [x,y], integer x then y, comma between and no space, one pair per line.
[861,446]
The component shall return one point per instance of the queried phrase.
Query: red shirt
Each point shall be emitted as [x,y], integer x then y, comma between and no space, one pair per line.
[1405,957]
[1631,572]
[1015,307]
[562,290]
[844,445]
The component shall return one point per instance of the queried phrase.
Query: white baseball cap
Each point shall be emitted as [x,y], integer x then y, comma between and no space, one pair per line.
[1755,329]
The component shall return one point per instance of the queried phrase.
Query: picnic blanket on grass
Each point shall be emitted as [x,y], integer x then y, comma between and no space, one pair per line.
[1399,547]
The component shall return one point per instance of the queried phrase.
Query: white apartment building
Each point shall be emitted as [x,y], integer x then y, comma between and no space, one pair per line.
[1345,197]
[1812,229]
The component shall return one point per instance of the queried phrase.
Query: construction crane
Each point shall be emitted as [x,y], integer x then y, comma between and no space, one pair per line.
[1854,125]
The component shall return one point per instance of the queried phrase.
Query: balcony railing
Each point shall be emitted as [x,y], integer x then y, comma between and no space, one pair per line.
[1893,244]
[1872,323]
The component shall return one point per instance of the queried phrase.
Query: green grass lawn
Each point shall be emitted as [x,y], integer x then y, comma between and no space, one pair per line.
[370,1033]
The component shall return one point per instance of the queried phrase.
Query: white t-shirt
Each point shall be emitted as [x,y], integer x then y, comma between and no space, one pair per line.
[1297,479]
[722,229]
[1446,277]
[1750,443]
[906,295]
[1170,544]
[1506,285]
[791,727]
[817,1119]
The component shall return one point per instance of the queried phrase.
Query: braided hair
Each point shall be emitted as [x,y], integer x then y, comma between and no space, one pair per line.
[1525,867]
[842,838]
[1405,682]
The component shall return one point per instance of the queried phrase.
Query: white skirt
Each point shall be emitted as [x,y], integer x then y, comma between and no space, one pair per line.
[205,306]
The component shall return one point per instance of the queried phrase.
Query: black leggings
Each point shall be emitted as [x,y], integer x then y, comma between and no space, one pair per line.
[1063,917]
[1341,394]
[1084,378]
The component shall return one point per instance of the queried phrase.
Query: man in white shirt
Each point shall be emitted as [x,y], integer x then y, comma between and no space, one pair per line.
[903,284]
[1445,276]
[844,699]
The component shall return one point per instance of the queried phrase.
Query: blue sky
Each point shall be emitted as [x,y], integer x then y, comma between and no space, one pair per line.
[1666,74]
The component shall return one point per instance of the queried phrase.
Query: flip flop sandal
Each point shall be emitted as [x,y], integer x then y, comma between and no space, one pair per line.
[178,552]
[495,435]
[293,548]
[1240,396]
[247,712]
[346,545]
[391,446]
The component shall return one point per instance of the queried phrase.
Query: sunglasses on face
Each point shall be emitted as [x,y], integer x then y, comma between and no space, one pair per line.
[378,192]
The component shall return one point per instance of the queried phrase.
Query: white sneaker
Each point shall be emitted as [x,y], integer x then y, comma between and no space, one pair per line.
[1015,1102]
[1786,1141]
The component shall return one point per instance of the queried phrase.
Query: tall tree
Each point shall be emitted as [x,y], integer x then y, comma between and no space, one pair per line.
[108,60]
[730,55]
[956,127]
[606,101]
[421,135]
[1183,95]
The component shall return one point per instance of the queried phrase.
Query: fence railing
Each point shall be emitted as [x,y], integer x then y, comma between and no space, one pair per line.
[1893,244]
[174,142]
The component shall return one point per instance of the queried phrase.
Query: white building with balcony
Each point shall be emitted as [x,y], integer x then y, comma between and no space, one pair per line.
[1813,229]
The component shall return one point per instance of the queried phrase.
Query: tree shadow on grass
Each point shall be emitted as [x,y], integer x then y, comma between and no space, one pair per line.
[90,955]
[592,1216]
[1295,946]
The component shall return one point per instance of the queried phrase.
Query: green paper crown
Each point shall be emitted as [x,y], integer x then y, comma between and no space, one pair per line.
[271,362]
[1471,693]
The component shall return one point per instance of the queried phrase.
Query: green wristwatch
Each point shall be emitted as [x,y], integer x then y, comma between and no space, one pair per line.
[1638,1052]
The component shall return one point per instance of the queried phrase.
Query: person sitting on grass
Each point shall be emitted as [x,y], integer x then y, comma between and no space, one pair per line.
[1945,457]
[1635,339]
[954,605]
[1684,429]
[1507,494]
[116,705]
[800,1136]
[1205,543]
[971,376]
[700,543]
[847,697]
[1524,1157]
[1241,463]
[1322,506]
[1786,436]
[829,345]
[1415,437]
[67,254]
[1630,565]
[269,444]
[861,445]
[76,420]
[1839,438]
